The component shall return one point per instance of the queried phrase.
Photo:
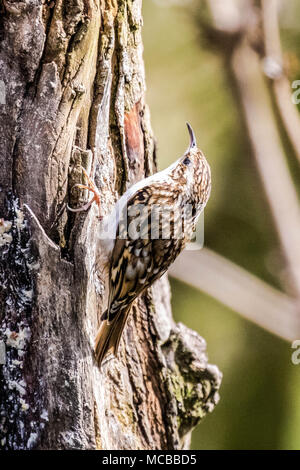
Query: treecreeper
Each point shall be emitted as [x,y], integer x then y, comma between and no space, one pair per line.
[148,228]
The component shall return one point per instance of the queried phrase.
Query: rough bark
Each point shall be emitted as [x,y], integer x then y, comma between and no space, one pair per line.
[74,95]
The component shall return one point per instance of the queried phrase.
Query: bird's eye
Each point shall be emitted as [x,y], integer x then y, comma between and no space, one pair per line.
[186,161]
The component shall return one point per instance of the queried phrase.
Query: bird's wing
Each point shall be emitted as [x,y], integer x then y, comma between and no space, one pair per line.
[136,263]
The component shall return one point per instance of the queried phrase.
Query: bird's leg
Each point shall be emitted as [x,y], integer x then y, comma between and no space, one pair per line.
[90,187]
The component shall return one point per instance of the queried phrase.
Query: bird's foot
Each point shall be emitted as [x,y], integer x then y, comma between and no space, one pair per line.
[93,189]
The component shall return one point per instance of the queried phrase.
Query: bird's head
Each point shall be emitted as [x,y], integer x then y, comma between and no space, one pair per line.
[195,170]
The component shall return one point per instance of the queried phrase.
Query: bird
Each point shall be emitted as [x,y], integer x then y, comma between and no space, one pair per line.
[148,228]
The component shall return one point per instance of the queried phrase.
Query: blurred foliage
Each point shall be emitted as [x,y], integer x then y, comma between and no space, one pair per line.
[188,81]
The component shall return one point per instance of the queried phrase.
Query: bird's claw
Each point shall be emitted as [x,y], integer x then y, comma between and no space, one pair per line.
[91,187]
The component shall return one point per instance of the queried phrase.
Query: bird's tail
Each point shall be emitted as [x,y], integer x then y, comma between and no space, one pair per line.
[109,335]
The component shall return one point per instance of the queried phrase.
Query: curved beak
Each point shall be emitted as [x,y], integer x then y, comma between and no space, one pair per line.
[193,143]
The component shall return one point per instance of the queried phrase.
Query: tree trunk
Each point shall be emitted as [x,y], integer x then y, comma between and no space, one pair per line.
[73,77]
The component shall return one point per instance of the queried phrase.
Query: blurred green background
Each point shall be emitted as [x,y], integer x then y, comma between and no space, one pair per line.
[187,81]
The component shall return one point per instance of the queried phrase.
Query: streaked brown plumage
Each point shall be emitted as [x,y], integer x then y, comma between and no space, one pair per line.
[137,262]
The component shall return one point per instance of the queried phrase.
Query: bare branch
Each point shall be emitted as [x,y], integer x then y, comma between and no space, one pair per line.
[239,290]
[262,128]
[274,69]
[269,155]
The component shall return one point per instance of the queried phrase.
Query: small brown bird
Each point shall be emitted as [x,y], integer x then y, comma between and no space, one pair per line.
[150,226]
